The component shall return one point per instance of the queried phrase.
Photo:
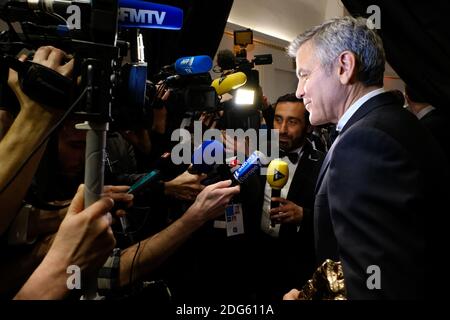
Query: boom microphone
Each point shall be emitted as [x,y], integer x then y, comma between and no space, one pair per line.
[230,82]
[277,177]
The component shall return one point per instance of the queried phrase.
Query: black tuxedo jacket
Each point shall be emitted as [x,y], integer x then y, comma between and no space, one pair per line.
[380,183]
[438,124]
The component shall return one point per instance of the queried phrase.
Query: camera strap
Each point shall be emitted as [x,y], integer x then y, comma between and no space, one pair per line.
[42,84]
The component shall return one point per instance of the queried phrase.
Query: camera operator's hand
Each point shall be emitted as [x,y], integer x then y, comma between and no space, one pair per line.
[49,57]
[185,187]
[211,202]
[121,198]
[27,131]
[48,221]
[84,239]
[85,236]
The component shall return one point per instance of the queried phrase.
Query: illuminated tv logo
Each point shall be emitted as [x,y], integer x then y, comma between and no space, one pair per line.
[141,16]
[186,64]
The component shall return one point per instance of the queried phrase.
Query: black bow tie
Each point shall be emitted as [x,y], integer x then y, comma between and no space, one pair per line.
[293,156]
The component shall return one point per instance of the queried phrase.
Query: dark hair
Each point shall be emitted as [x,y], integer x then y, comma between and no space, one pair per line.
[415,95]
[291,97]
[226,59]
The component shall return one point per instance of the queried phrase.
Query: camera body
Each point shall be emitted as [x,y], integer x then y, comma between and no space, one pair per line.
[118,89]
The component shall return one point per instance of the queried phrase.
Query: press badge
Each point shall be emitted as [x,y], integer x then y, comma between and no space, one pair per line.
[234,219]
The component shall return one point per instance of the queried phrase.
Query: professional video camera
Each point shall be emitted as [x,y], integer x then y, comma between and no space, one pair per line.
[243,110]
[189,82]
[88,29]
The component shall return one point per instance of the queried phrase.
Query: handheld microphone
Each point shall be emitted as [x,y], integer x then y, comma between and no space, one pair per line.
[230,82]
[249,167]
[193,65]
[204,156]
[277,177]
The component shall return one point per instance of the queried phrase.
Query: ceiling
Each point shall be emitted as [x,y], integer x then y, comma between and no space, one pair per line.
[283,19]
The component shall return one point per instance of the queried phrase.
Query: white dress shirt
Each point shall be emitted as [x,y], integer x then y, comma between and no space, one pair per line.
[422,113]
[355,106]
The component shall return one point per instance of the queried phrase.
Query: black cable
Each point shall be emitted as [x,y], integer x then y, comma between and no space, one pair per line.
[141,224]
[52,130]
[132,262]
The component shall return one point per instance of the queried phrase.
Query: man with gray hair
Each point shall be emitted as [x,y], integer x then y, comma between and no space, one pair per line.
[383,176]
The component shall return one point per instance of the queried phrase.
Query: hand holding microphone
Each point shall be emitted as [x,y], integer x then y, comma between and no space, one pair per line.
[286,212]
[277,177]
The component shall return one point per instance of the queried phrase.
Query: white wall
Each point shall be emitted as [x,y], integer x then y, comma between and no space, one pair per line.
[275,79]
[283,19]
[274,25]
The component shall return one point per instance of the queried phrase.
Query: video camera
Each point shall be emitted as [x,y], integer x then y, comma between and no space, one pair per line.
[243,110]
[101,33]
[189,83]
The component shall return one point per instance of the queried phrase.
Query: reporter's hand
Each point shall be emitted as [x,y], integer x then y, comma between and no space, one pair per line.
[288,212]
[121,198]
[185,187]
[85,238]
[212,201]
[292,295]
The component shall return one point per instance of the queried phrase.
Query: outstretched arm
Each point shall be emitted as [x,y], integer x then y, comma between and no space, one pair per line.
[210,203]
[31,125]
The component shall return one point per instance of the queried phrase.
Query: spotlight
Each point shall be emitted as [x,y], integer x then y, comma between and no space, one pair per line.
[244,97]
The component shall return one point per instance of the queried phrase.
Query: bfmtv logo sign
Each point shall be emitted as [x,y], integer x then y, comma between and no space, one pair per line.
[141,16]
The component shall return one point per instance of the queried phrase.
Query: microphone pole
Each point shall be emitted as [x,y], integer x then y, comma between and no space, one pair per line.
[98,73]
[94,164]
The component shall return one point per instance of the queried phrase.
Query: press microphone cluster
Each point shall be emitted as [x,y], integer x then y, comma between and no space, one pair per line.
[277,177]
[203,162]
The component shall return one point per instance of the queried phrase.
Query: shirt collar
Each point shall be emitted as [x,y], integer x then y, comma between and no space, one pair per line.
[422,113]
[355,106]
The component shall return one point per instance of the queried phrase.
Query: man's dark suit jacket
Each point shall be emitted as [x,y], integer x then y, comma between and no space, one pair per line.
[288,261]
[380,184]
[438,124]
